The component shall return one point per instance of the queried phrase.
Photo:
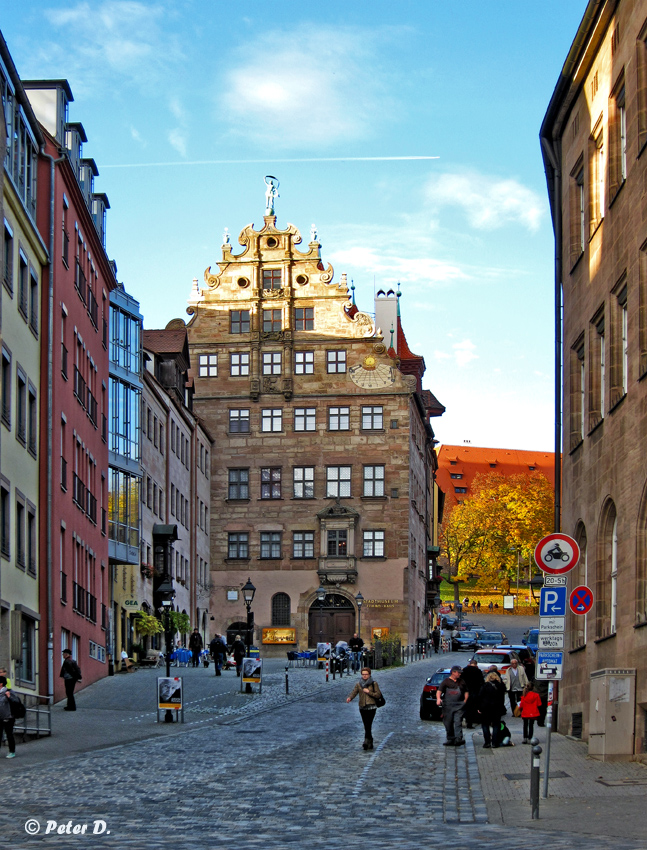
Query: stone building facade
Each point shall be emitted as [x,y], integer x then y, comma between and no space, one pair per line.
[324,474]
[593,139]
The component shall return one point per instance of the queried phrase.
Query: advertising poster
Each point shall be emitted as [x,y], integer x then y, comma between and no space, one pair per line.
[169,693]
[252,670]
[323,651]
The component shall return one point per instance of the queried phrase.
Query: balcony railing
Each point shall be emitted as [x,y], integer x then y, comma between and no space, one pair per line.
[103,521]
[79,599]
[64,361]
[92,508]
[79,492]
[66,248]
[80,387]
[104,428]
[91,607]
[80,282]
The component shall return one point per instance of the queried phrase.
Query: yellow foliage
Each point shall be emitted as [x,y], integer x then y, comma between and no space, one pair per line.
[497,527]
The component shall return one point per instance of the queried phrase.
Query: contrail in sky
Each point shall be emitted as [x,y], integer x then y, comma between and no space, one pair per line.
[257,161]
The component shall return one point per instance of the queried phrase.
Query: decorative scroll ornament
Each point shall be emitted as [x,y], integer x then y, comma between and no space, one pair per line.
[212,280]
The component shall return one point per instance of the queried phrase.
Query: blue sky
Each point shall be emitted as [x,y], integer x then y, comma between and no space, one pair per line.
[161,87]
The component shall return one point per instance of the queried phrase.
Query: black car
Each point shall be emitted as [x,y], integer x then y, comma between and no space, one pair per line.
[491,639]
[465,640]
[429,710]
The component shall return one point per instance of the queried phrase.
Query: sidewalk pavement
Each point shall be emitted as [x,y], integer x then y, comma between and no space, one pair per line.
[585,796]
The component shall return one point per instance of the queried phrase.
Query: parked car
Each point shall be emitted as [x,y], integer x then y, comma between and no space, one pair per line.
[501,657]
[465,640]
[522,651]
[449,622]
[531,639]
[491,639]
[429,710]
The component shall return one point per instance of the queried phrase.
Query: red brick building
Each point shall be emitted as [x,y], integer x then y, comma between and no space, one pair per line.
[75,310]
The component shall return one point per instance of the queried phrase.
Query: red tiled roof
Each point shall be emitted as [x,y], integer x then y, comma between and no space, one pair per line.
[165,341]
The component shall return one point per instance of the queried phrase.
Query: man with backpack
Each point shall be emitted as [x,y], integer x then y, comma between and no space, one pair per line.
[71,674]
[218,650]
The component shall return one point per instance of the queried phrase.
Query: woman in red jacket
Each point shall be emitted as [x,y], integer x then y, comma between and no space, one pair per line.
[529,703]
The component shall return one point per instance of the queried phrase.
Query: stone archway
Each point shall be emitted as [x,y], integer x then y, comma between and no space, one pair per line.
[331,622]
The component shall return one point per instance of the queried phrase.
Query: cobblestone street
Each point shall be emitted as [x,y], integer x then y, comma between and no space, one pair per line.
[268,771]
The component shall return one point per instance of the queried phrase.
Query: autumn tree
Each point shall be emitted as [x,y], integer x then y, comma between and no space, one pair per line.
[498,526]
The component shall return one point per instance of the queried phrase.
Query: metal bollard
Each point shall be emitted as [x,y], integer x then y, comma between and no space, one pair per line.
[534,778]
[333,665]
[327,662]
[287,684]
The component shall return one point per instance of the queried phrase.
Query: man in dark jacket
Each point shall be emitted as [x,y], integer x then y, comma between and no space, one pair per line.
[71,674]
[195,645]
[435,638]
[356,645]
[218,650]
[474,680]
[239,650]
[452,693]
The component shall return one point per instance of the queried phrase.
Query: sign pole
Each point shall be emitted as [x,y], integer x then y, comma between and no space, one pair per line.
[549,723]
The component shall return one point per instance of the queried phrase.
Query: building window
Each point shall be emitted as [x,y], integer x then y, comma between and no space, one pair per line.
[33,301]
[239,321]
[6,387]
[304,482]
[339,418]
[373,480]
[303,544]
[304,362]
[338,482]
[31,540]
[271,321]
[596,179]
[271,362]
[577,211]
[373,544]
[335,361]
[617,139]
[7,272]
[597,372]
[271,482]
[607,573]
[208,365]
[20,534]
[337,542]
[460,489]
[304,418]
[624,339]
[270,544]
[304,318]
[577,393]
[238,545]
[372,418]
[239,421]
[280,609]
[5,519]
[23,270]
[271,278]
[455,474]
[238,484]
[272,420]
[239,364]
[21,407]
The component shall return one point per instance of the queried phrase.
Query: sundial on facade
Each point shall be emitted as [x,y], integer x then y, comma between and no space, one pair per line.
[371,375]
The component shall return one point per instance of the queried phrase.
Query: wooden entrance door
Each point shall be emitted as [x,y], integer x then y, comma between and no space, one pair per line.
[333,622]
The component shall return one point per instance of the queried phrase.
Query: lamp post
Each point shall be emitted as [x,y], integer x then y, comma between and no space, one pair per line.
[536,583]
[359,599]
[248,595]
[167,594]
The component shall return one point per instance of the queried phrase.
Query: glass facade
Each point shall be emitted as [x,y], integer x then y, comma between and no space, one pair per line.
[123,507]
[125,340]
[124,408]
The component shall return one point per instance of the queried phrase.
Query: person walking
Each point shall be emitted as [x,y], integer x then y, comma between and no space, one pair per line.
[515,680]
[530,703]
[239,651]
[6,717]
[491,606]
[452,695]
[356,645]
[435,638]
[474,681]
[71,674]
[195,645]
[218,650]
[368,690]
[491,709]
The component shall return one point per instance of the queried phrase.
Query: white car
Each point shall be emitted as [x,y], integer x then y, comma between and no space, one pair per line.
[501,657]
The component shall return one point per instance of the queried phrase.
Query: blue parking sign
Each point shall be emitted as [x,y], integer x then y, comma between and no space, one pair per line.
[553,602]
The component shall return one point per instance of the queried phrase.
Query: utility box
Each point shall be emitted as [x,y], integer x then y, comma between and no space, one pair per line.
[611,714]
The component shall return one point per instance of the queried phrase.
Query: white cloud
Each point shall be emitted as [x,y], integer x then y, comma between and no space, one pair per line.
[177,140]
[464,352]
[94,43]
[488,202]
[137,136]
[307,86]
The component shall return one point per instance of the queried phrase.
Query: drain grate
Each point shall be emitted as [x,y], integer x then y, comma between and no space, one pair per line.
[556,774]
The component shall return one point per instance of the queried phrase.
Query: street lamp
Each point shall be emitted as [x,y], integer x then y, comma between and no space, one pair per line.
[536,583]
[248,596]
[359,599]
[321,596]
[167,594]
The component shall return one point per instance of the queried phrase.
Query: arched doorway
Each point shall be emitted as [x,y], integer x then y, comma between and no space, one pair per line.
[331,622]
[234,629]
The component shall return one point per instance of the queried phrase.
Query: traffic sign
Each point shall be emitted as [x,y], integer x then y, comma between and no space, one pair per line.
[557,554]
[549,665]
[552,624]
[555,581]
[581,600]
[551,640]
[553,602]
